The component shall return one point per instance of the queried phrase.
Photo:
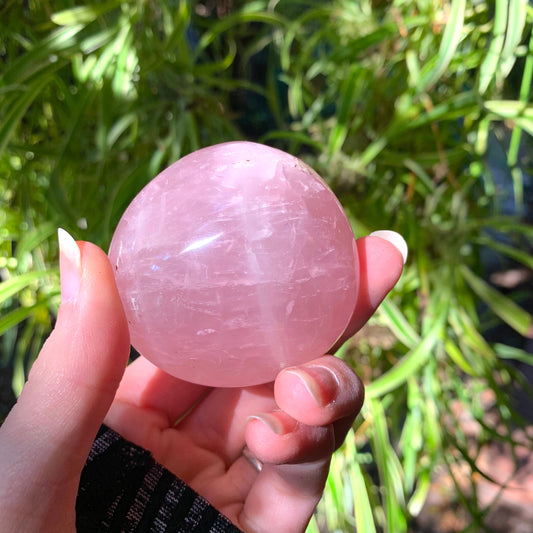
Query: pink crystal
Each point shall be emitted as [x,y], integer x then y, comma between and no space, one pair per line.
[233,263]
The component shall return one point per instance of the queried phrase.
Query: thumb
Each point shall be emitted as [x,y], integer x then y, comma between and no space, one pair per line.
[382,255]
[47,436]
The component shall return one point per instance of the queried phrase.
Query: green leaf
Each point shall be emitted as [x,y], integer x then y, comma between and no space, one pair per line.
[490,64]
[31,239]
[504,351]
[11,319]
[119,128]
[17,283]
[419,497]
[40,56]
[20,105]
[525,124]
[450,41]
[469,334]
[397,323]
[348,101]
[509,109]
[420,173]
[457,106]
[246,16]
[458,358]
[84,14]
[513,36]
[511,251]
[364,519]
[312,527]
[511,313]
[388,467]
[408,365]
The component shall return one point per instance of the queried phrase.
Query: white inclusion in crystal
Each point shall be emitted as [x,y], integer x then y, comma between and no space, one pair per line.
[200,243]
[205,332]
[289,308]
[243,163]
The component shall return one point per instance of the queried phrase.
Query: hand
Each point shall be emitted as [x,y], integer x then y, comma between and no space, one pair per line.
[292,426]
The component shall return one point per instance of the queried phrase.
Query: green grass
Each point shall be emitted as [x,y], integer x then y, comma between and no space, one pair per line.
[397,105]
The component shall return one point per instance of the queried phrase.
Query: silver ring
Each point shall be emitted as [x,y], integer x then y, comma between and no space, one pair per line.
[252,459]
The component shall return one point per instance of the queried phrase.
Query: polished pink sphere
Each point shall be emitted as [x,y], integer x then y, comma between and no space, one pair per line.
[233,263]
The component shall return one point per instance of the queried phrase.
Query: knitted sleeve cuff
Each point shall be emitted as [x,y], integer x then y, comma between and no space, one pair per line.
[122,489]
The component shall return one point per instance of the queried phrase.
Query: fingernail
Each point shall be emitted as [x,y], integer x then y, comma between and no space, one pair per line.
[273,423]
[69,266]
[321,382]
[393,238]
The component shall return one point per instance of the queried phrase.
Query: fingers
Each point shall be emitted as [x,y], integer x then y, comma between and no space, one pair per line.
[319,392]
[381,259]
[284,497]
[317,402]
[47,436]
[276,438]
[219,422]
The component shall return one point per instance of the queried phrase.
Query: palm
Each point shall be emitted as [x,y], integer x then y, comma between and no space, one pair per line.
[199,434]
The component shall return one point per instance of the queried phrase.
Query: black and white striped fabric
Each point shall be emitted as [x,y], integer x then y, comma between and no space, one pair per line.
[122,489]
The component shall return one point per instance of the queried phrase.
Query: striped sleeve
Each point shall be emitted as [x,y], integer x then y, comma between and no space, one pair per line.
[123,490]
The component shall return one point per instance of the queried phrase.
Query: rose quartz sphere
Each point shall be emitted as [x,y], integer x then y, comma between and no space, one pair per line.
[233,263]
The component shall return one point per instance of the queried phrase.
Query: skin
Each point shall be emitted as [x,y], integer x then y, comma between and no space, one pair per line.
[80,380]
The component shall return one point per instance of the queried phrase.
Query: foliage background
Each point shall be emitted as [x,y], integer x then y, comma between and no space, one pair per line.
[418,114]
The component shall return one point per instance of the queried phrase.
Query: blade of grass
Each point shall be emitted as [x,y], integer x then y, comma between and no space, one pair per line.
[83,14]
[458,358]
[411,438]
[293,29]
[511,313]
[56,192]
[408,365]
[364,519]
[18,107]
[40,55]
[11,286]
[525,124]
[516,136]
[515,26]
[388,467]
[489,66]
[456,107]
[511,251]
[312,526]
[510,352]
[509,109]
[126,62]
[11,319]
[419,497]
[398,324]
[347,103]
[420,173]
[361,506]
[247,16]
[31,240]
[505,224]
[450,41]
